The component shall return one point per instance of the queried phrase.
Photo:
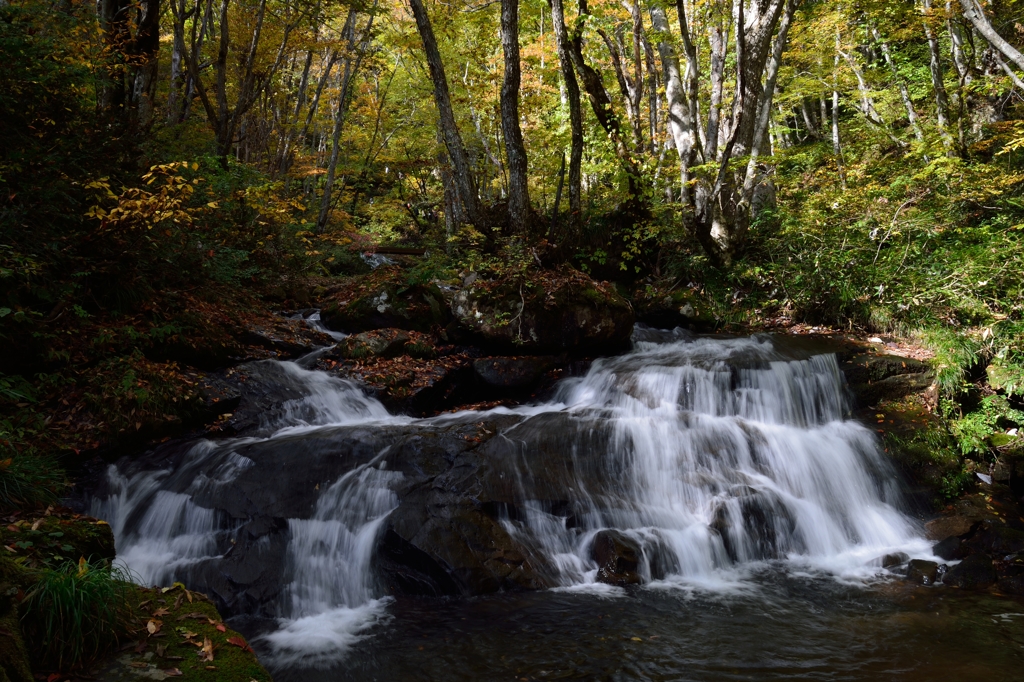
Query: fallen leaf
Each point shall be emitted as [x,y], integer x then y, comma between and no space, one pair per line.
[211,667]
[220,626]
[161,649]
[240,643]
[189,635]
[35,526]
[173,672]
[139,664]
[206,652]
[160,612]
[177,602]
[154,626]
[636,639]
[53,677]
[145,603]
[141,646]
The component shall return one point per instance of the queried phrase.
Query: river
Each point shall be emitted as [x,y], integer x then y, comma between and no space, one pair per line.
[698,508]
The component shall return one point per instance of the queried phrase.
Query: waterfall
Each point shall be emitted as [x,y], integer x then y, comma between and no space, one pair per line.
[720,458]
[724,453]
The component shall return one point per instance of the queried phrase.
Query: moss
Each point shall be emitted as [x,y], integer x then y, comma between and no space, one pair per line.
[186,620]
[58,537]
[922,446]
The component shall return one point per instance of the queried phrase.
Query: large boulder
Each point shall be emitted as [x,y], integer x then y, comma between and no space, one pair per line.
[458,486]
[664,309]
[512,374]
[564,311]
[617,557]
[874,377]
[384,299]
[976,572]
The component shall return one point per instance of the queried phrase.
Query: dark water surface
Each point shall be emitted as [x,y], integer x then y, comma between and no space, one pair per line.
[781,629]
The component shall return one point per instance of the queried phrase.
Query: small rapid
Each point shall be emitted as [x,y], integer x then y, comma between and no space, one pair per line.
[711,459]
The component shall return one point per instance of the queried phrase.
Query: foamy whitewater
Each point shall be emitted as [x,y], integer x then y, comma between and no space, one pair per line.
[726,457]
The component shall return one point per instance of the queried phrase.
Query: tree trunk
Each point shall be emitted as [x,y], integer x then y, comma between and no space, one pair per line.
[174,108]
[572,92]
[601,103]
[938,87]
[515,150]
[144,50]
[975,15]
[901,84]
[465,183]
[355,51]
[680,123]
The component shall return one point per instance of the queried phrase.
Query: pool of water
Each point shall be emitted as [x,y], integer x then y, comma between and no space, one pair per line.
[776,626]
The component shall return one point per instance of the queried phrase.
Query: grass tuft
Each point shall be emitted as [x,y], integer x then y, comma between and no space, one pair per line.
[30,480]
[76,613]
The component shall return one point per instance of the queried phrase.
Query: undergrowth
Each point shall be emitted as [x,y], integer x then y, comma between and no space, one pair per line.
[76,613]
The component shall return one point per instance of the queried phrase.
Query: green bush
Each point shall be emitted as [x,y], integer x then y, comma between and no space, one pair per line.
[76,613]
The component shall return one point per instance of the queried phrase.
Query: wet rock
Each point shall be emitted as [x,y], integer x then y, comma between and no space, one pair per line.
[949,549]
[384,299]
[755,526]
[994,538]
[948,526]
[617,557]
[922,572]
[876,377]
[512,373]
[976,572]
[570,313]
[892,560]
[1011,584]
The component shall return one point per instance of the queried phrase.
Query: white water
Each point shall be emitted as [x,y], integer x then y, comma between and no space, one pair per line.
[724,455]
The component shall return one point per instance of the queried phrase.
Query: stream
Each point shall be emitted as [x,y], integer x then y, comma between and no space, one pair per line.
[696,509]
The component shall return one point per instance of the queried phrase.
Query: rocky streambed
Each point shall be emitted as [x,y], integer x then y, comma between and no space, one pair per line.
[703,466]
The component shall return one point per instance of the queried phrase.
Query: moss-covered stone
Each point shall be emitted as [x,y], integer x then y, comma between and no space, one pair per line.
[175,645]
[55,538]
[921,446]
[558,311]
[667,309]
[384,299]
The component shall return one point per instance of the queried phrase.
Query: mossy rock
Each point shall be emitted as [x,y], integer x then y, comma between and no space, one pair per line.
[384,299]
[556,311]
[51,540]
[877,377]
[669,309]
[918,442]
[185,620]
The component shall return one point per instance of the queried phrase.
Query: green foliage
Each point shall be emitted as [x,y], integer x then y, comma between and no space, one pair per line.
[981,429]
[29,479]
[75,613]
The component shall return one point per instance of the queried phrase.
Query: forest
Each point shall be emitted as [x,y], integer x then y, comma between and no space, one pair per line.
[184,182]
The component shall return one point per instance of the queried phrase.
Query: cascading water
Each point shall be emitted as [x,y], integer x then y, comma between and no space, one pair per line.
[724,452]
[718,458]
